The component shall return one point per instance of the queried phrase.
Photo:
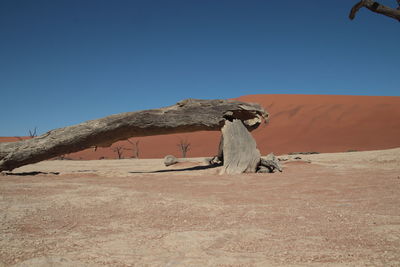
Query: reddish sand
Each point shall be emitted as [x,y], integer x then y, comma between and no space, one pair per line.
[12,138]
[298,123]
[326,123]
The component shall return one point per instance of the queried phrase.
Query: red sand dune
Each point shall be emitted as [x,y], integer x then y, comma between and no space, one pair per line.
[298,123]
[13,138]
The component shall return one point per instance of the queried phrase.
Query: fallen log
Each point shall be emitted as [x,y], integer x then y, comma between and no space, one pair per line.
[186,116]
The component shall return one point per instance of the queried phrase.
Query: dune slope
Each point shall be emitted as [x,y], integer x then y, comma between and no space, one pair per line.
[327,123]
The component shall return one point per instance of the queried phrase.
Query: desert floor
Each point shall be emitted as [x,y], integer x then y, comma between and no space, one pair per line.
[340,209]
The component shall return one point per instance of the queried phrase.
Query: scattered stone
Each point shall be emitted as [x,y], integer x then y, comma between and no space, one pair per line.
[170,160]
[297,158]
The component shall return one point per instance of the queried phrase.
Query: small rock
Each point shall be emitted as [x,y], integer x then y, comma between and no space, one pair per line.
[170,160]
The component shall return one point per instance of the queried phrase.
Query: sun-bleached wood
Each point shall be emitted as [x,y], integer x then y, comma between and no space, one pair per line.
[186,116]
[240,151]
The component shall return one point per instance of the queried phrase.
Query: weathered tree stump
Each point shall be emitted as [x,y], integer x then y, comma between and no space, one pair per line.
[240,153]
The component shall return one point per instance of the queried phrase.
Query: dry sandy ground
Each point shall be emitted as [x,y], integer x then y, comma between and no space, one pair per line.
[339,210]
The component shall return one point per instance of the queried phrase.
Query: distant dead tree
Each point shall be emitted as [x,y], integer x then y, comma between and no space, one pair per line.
[135,147]
[184,146]
[119,150]
[377,8]
[33,133]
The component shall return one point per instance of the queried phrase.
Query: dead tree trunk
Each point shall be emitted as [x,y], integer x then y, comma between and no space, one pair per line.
[186,116]
[135,148]
[239,149]
[377,8]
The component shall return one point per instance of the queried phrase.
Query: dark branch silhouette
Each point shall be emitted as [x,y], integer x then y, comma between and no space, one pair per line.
[33,133]
[119,150]
[377,8]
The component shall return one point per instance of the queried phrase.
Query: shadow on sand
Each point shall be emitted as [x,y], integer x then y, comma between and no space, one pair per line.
[196,168]
[30,173]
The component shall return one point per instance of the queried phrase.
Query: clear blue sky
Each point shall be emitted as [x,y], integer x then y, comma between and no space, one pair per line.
[66,61]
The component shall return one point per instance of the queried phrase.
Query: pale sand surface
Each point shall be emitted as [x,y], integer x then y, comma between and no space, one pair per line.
[342,209]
